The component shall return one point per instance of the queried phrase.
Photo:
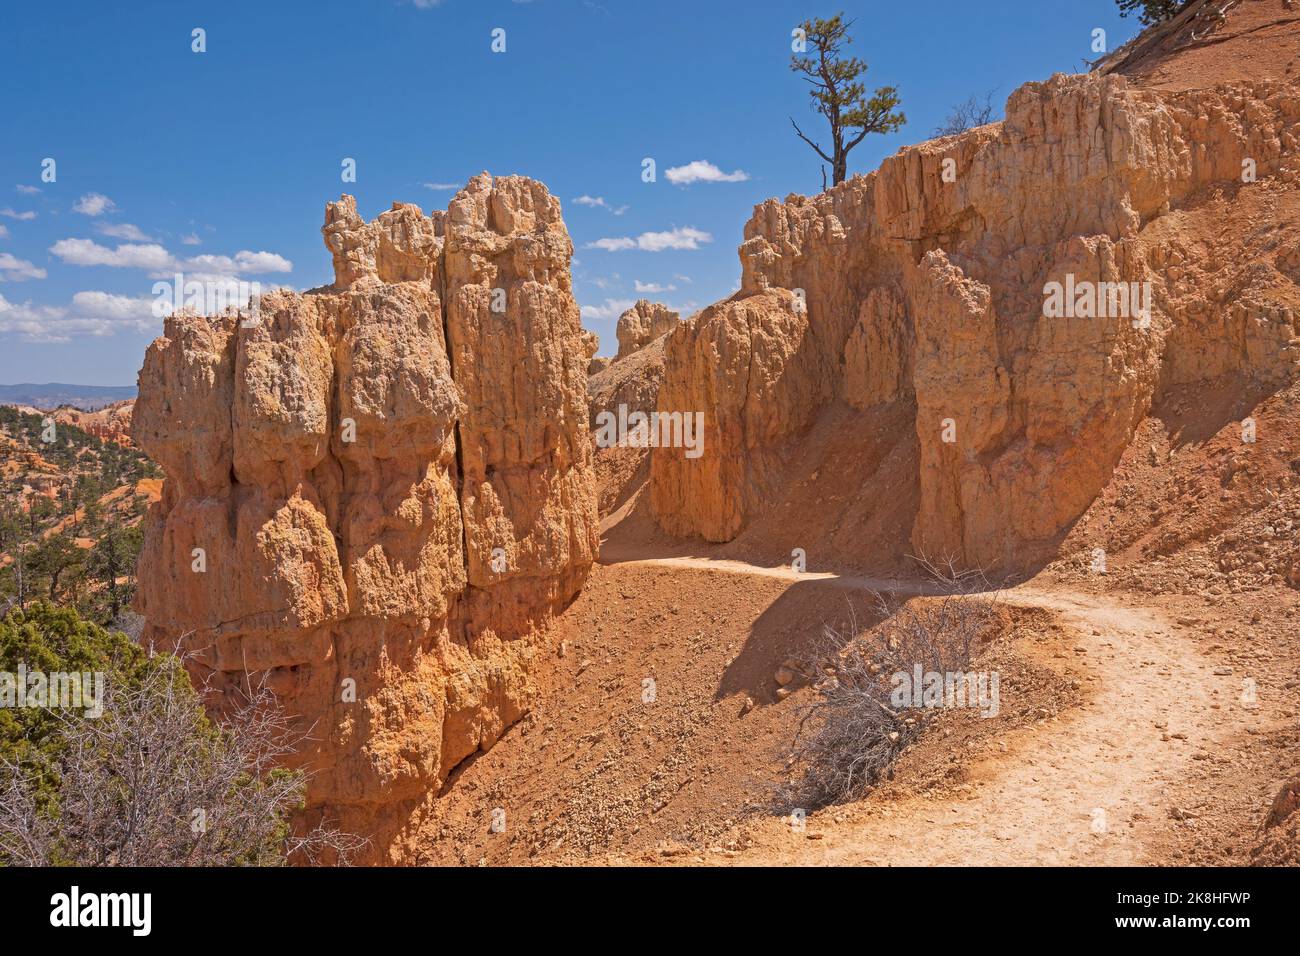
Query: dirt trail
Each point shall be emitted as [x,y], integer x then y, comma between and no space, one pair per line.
[1087,788]
[780,572]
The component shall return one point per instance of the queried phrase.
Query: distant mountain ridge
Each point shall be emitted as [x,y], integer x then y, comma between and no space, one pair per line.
[57,394]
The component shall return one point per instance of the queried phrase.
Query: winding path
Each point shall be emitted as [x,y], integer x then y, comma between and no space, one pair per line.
[1086,788]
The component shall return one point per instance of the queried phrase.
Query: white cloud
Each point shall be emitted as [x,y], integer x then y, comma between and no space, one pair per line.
[440,187]
[87,252]
[27,190]
[610,309]
[31,322]
[191,240]
[4,232]
[681,278]
[16,270]
[703,171]
[122,230]
[612,245]
[243,261]
[20,216]
[684,237]
[246,261]
[93,314]
[598,202]
[137,311]
[652,287]
[161,263]
[93,204]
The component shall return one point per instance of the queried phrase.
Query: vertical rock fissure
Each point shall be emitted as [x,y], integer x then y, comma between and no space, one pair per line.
[457,438]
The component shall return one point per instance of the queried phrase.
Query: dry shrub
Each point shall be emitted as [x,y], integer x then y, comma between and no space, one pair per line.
[850,734]
[154,782]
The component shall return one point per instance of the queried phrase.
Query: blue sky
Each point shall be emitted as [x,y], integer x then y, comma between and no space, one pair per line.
[222,161]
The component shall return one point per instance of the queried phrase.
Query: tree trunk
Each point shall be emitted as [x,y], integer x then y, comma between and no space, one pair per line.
[840,167]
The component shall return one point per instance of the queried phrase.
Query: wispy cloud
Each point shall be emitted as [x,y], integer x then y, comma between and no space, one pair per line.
[684,237]
[191,240]
[652,287]
[612,244]
[440,187]
[703,171]
[20,216]
[93,204]
[27,190]
[121,230]
[609,309]
[598,202]
[18,270]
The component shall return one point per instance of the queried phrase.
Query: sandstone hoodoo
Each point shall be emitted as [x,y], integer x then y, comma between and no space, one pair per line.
[642,324]
[916,312]
[378,491]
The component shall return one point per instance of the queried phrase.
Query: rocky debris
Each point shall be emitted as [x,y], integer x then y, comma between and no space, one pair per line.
[377,491]
[1202,521]
[642,324]
[1279,840]
[923,285]
[1285,804]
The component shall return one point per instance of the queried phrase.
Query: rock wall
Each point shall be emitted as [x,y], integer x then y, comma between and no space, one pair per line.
[390,483]
[923,283]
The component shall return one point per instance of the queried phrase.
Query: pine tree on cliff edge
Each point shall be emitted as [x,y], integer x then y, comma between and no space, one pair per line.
[838,92]
[1151,11]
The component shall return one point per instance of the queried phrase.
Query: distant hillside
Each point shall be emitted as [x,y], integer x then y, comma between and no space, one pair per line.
[70,511]
[55,394]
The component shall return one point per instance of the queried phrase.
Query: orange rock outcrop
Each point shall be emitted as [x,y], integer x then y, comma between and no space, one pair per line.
[377,491]
[643,323]
[925,285]
[111,423]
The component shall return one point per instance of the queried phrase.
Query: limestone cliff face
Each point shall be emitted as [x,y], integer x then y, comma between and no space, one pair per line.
[923,284]
[390,483]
